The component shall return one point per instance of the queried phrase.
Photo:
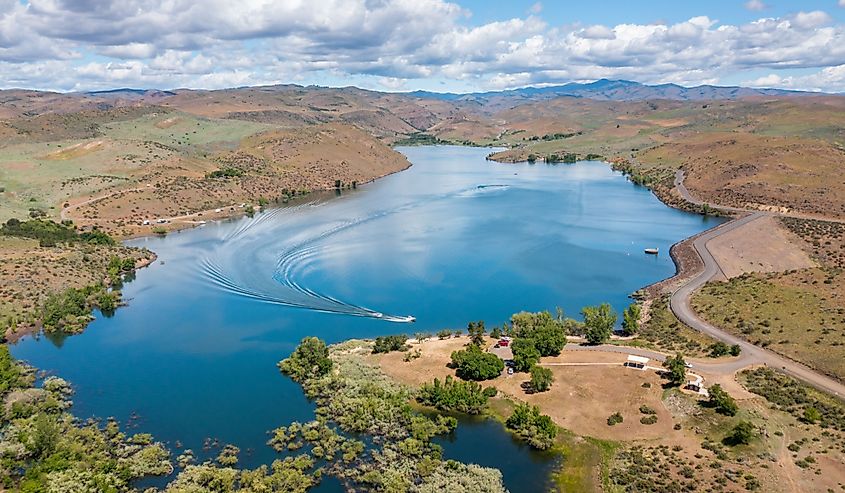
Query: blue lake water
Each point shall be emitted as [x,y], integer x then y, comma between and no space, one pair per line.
[452,239]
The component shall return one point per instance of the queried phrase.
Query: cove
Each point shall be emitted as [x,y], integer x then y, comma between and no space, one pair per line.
[452,239]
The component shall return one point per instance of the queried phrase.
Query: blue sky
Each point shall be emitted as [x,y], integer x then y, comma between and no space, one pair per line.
[401,45]
[644,12]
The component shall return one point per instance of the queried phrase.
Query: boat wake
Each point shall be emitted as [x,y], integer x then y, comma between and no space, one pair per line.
[258,240]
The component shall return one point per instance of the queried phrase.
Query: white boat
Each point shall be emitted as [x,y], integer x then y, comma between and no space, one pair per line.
[378,314]
[652,251]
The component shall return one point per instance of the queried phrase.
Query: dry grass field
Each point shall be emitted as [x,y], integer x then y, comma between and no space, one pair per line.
[684,445]
[31,272]
[757,153]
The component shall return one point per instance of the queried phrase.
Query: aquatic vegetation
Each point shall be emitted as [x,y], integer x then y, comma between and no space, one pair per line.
[358,398]
[310,359]
[44,448]
[70,310]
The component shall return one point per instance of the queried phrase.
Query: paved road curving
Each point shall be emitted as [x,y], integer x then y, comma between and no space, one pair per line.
[751,354]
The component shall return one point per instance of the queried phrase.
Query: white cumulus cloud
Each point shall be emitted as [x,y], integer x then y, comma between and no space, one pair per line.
[73,44]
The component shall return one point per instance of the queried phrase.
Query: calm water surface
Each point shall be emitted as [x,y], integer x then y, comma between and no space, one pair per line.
[454,238]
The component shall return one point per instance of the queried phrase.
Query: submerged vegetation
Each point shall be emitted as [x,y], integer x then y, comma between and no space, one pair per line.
[44,449]
[70,310]
[357,398]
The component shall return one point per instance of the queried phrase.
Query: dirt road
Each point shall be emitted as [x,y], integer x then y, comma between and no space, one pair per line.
[751,354]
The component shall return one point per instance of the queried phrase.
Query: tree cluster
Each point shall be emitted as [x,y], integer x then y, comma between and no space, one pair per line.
[474,364]
[386,344]
[50,233]
[537,429]
[598,322]
[309,360]
[537,335]
[455,395]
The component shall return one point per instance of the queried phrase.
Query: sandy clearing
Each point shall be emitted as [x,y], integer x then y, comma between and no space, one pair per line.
[580,400]
[762,245]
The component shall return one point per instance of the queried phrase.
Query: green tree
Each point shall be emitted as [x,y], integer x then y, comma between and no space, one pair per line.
[541,378]
[496,333]
[722,401]
[599,322]
[741,434]
[676,369]
[547,333]
[525,354]
[10,372]
[45,435]
[476,332]
[474,364]
[631,319]
[309,360]
[735,350]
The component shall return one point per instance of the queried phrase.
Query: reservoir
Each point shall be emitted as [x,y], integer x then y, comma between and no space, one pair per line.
[454,238]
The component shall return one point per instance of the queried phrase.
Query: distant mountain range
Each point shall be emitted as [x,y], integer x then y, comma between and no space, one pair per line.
[612,90]
[126,92]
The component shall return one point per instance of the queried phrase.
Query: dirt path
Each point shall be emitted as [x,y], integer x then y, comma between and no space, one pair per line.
[680,305]
[66,210]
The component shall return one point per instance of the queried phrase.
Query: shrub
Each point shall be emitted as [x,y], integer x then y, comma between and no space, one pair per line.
[644,409]
[51,233]
[812,415]
[386,344]
[225,173]
[537,429]
[444,334]
[742,434]
[614,419]
[474,364]
[718,349]
[649,420]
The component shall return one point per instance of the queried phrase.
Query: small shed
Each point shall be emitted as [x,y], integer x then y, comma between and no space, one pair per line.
[638,362]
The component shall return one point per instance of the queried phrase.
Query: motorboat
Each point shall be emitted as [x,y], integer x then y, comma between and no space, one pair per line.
[652,251]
